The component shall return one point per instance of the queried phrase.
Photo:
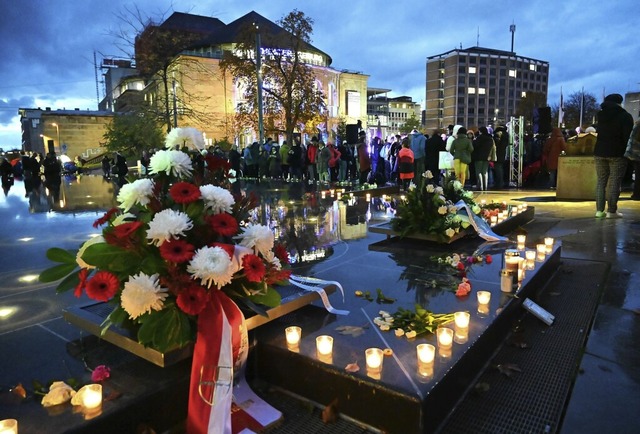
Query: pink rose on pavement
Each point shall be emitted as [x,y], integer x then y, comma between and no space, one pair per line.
[100,373]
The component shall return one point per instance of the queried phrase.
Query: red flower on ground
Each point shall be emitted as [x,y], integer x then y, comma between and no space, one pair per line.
[253,267]
[102,286]
[82,277]
[176,250]
[224,224]
[100,373]
[192,299]
[281,253]
[464,288]
[105,218]
[184,192]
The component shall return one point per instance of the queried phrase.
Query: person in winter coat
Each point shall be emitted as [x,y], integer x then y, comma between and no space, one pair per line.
[334,161]
[364,159]
[482,152]
[345,156]
[406,164]
[614,128]
[435,144]
[275,169]
[461,149]
[312,151]
[501,139]
[553,147]
[417,142]
[322,161]
[284,159]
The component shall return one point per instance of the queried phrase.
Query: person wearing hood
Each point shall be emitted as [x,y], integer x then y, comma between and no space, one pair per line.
[418,145]
[461,149]
[484,151]
[614,127]
[553,147]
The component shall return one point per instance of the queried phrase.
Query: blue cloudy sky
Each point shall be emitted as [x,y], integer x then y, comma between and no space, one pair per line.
[47,46]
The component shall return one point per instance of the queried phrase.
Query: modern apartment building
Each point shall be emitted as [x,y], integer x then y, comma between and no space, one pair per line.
[480,86]
[387,115]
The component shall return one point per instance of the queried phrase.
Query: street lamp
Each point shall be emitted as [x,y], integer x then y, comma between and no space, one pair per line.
[58,133]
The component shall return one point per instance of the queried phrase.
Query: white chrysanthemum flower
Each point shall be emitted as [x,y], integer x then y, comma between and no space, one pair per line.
[457,185]
[141,294]
[138,192]
[181,137]
[257,237]
[430,188]
[91,241]
[449,232]
[168,224]
[123,218]
[175,163]
[439,190]
[212,265]
[452,209]
[442,210]
[428,174]
[273,259]
[217,199]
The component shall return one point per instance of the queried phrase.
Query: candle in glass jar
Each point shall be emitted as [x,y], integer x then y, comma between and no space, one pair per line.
[484,297]
[426,353]
[293,335]
[530,255]
[324,345]
[368,197]
[374,358]
[461,319]
[9,426]
[445,337]
[92,396]
[494,220]
[511,259]
[541,249]
[522,239]
[323,195]
[548,243]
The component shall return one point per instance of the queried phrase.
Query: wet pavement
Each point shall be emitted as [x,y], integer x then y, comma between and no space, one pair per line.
[34,336]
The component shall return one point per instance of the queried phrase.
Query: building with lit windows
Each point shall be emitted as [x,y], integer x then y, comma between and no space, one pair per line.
[387,116]
[480,86]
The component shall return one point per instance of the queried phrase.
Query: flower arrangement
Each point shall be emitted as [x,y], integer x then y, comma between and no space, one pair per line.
[434,210]
[174,241]
[461,263]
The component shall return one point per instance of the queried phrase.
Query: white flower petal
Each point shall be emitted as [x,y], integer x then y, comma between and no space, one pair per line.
[168,224]
[141,294]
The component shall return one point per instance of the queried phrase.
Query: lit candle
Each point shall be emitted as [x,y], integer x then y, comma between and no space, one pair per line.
[524,205]
[531,263]
[426,353]
[445,337]
[339,195]
[324,345]
[514,211]
[92,396]
[483,309]
[548,243]
[368,197]
[520,207]
[494,220]
[511,259]
[484,297]
[293,335]
[542,251]
[522,239]
[530,255]
[483,202]
[374,358]
[521,273]
[323,195]
[9,426]
[333,192]
[462,319]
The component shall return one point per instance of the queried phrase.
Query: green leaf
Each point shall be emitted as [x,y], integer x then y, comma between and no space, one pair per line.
[166,329]
[71,281]
[58,272]
[112,258]
[57,254]
[271,298]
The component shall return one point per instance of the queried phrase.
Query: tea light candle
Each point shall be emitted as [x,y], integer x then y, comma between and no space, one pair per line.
[484,297]
[374,359]
[548,243]
[530,255]
[521,239]
[92,397]
[426,353]
[323,195]
[520,207]
[445,337]
[9,426]
[333,192]
[293,335]
[368,197]
[324,345]
[524,205]
[461,319]
[531,263]
[494,220]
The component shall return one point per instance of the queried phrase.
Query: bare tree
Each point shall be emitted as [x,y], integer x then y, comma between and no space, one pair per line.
[291,97]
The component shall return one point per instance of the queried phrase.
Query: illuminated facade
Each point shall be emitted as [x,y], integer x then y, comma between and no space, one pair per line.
[479,86]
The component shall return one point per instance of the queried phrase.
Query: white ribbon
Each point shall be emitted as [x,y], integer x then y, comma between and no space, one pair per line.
[317,286]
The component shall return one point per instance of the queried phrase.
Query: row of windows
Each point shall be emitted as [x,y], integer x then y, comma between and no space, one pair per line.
[502,72]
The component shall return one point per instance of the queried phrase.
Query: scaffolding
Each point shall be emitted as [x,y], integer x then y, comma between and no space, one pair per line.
[516,151]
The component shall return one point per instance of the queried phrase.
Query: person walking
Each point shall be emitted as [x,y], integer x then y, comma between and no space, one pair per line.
[553,147]
[614,127]
[483,152]
[461,149]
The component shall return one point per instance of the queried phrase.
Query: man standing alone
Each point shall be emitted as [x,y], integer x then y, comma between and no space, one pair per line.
[614,128]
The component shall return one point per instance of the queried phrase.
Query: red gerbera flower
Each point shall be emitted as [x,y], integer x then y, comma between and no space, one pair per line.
[102,286]
[277,276]
[105,218]
[126,229]
[281,253]
[254,268]
[224,224]
[82,277]
[192,299]
[184,192]
[176,250]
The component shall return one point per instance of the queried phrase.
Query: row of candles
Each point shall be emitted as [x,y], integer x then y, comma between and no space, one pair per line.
[338,194]
[374,357]
[89,398]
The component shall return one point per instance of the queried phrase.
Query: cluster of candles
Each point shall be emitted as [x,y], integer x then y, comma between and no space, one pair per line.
[333,193]
[506,213]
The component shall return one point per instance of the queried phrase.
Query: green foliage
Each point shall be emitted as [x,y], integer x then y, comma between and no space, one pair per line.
[410,124]
[132,133]
[421,320]
[165,329]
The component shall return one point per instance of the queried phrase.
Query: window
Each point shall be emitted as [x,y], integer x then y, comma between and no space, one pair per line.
[472,90]
[472,70]
[532,67]
[523,94]
[482,91]
[462,69]
[512,73]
